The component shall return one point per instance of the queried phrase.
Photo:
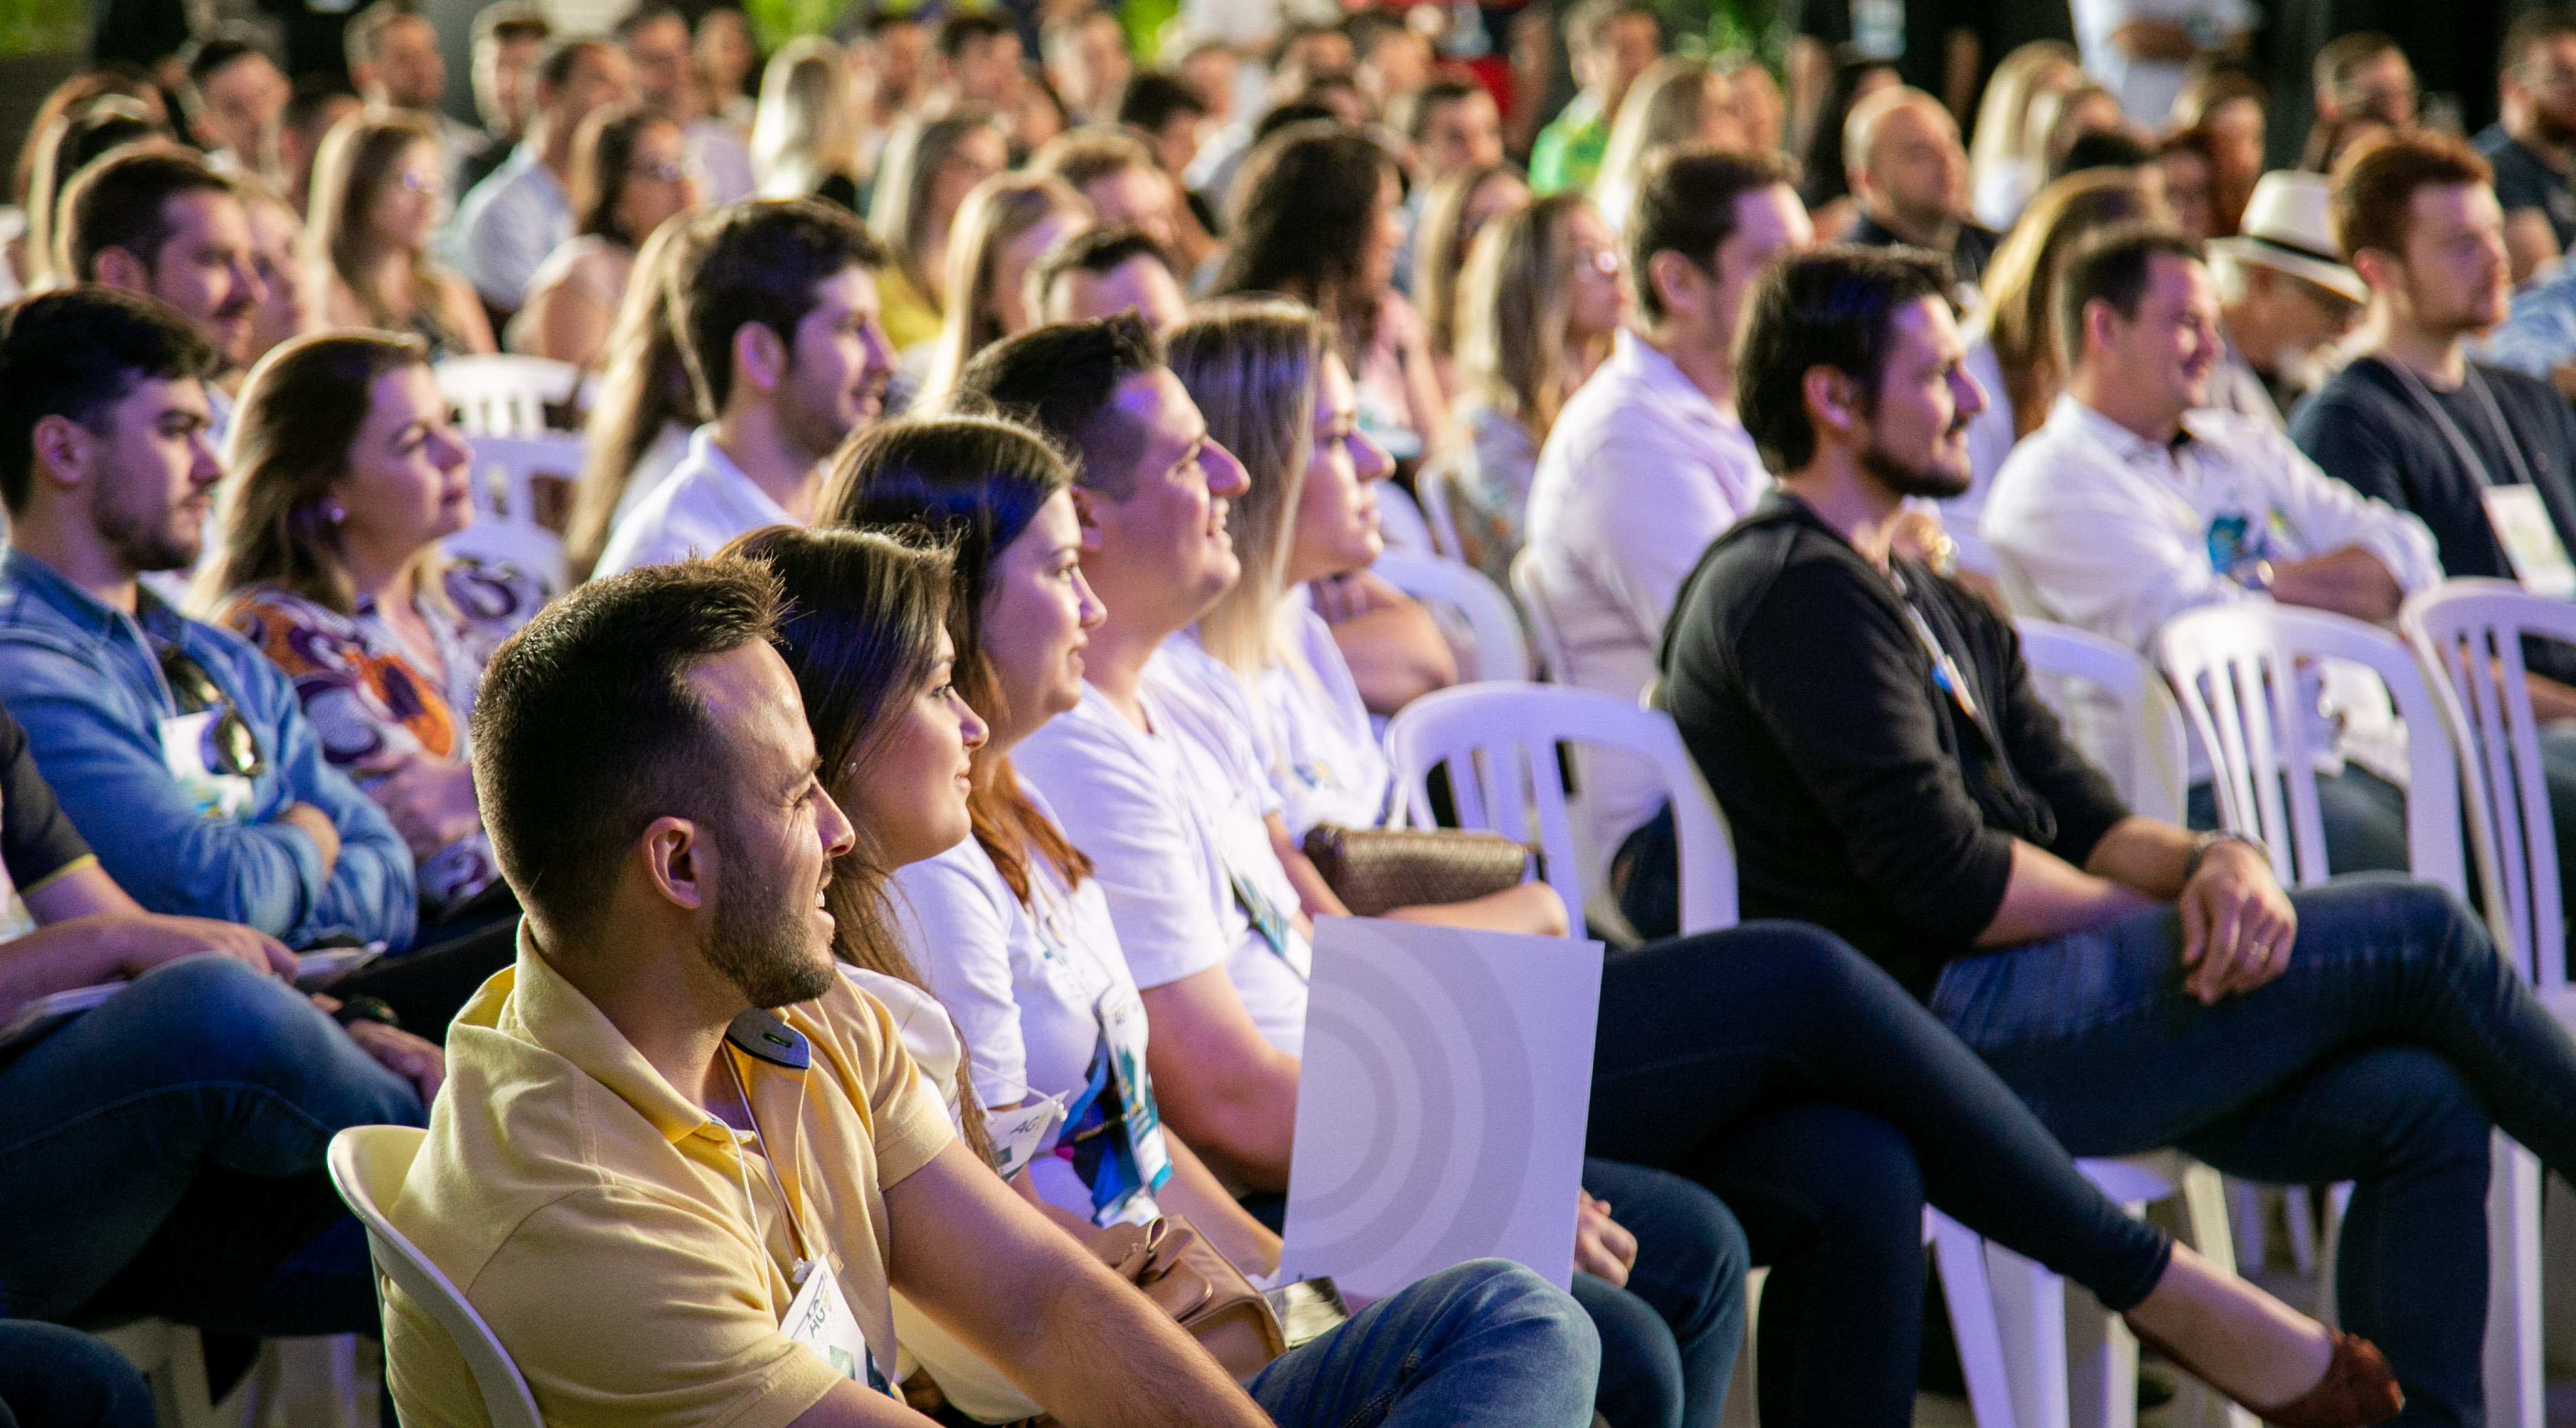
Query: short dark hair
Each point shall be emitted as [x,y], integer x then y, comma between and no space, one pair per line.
[1079,156]
[648,14]
[1296,111]
[556,65]
[1686,204]
[2343,56]
[1152,98]
[760,262]
[1098,251]
[1062,379]
[75,352]
[509,22]
[586,729]
[224,46]
[2102,149]
[362,41]
[2375,191]
[122,201]
[1830,307]
[2113,266]
[2530,28]
[309,96]
[968,27]
[1414,111]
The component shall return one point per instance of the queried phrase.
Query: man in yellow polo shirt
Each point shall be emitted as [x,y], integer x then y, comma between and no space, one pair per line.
[680,1161]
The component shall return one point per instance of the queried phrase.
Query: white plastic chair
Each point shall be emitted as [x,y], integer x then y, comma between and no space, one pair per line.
[2153,770]
[1499,742]
[2470,633]
[505,530]
[172,1361]
[368,1164]
[1433,489]
[1540,616]
[505,395]
[1492,623]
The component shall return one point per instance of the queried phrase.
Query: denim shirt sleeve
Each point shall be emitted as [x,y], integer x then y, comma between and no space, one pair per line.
[371,892]
[97,743]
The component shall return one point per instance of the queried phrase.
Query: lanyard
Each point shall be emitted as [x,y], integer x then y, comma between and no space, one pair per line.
[2451,432]
[796,1233]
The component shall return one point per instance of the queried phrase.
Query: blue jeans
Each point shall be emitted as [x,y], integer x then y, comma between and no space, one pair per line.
[2377,1057]
[1670,1336]
[163,1155]
[1485,1344]
[52,1377]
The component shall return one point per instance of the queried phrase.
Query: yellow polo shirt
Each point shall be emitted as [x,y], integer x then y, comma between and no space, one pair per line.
[595,1217]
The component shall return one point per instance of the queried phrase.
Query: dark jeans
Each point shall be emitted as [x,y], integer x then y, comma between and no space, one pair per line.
[2377,1057]
[1669,1337]
[52,1377]
[163,1155]
[1787,1073]
[428,987]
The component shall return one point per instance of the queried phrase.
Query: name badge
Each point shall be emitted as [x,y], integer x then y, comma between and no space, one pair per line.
[1122,1026]
[820,1319]
[2530,541]
[1019,1135]
[187,751]
[1271,925]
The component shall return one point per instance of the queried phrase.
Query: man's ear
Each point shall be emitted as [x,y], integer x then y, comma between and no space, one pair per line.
[1086,517]
[1680,284]
[2100,325]
[679,863]
[1833,399]
[759,357]
[62,450]
[118,268]
[2378,267]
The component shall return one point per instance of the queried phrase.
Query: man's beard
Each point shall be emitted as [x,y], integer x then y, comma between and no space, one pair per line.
[763,941]
[1932,482]
[140,542]
[2555,130]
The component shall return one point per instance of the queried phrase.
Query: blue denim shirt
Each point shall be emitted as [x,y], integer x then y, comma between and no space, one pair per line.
[86,684]
[2538,334]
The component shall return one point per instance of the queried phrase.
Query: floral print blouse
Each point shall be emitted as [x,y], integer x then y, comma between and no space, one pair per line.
[368,700]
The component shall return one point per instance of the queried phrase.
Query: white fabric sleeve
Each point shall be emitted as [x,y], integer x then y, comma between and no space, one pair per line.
[2093,559]
[960,939]
[1129,818]
[2332,516]
[1641,564]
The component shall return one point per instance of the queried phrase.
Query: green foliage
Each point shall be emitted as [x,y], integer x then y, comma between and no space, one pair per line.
[43,27]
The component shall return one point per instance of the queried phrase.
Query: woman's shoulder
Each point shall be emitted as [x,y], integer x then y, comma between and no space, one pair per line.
[491,598]
[251,607]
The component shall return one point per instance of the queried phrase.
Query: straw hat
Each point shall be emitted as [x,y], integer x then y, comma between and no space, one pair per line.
[2287,229]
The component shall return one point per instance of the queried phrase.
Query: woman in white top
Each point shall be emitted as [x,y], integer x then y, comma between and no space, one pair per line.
[1276,394]
[1006,925]
[639,426]
[630,175]
[2005,166]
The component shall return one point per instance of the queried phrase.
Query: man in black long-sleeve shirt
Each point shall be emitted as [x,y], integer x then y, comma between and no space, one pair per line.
[1876,743]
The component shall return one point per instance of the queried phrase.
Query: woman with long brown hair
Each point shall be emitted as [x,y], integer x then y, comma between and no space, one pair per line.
[1458,208]
[630,175]
[639,426]
[343,476]
[1005,225]
[377,183]
[923,179]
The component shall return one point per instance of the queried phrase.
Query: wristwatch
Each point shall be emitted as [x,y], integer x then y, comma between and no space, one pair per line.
[2201,845]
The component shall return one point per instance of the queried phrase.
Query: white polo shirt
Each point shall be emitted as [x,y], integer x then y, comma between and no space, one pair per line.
[704,502]
[1640,473]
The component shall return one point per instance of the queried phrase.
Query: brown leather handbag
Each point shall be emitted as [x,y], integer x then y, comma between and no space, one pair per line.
[1199,1287]
[1373,870]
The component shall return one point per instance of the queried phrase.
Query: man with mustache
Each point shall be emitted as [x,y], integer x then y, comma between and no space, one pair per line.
[2132,505]
[1871,730]
[161,223]
[778,323]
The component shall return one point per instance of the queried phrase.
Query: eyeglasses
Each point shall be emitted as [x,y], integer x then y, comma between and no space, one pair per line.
[419,182]
[1604,261]
[234,745]
[661,170]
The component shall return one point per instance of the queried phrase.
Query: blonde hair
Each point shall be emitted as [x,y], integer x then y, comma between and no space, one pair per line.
[1663,108]
[1518,292]
[2003,116]
[1252,365]
[807,127]
[899,210]
[1440,247]
[2023,276]
[994,216]
[357,160]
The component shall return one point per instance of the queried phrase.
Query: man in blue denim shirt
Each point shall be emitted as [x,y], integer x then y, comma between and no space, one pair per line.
[181,754]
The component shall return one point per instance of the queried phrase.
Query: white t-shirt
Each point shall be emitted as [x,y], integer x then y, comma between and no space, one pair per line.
[1311,731]
[1024,987]
[704,502]
[1168,829]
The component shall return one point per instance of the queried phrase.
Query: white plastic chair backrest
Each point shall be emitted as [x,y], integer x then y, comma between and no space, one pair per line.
[1540,616]
[1432,488]
[505,395]
[2469,632]
[368,1164]
[2154,768]
[1491,620]
[2235,669]
[1499,742]
[505,472]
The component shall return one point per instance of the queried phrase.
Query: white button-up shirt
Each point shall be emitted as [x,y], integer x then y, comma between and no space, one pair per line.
[507,226]
[1640,473]
[2097,527]
[704,502]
